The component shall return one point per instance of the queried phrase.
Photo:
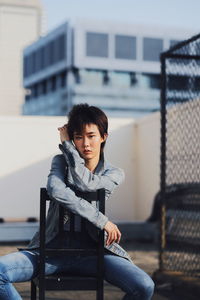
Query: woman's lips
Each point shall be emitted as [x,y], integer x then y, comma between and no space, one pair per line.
[87,152]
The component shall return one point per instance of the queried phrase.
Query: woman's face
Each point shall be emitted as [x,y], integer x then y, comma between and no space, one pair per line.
[88,143]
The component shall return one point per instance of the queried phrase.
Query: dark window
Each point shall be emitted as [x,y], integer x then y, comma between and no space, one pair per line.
[63,79]
[25,66]
[28,65]
[44,87]
[96,44]
[35,91]
[39,88]
[27,94]
[32,63]
[42,57]
[154,80]
[77,76]
[177,82]
[47,55]
[125,47]
[106,79]
[27,98]
[34,57]
[133,79]
[57,49]
[38,61]
[52,52]
[61,47]
[152,48]
[53,83]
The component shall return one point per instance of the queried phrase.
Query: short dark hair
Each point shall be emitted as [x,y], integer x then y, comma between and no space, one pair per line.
[82,114]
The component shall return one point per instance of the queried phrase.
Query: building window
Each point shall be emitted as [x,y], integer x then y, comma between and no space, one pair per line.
[25,67]
[44,87]
[38,61]
[42,57]
[51,52]
[125,47]
[96,44]
[27,94]
[90,77]
[47,55]
[63,79]
[133,79]
[32,63]
[77,77]
[106,78]
[152,48]
[53,83]
[61,47]
[120,79]
[153,80]
[34,91]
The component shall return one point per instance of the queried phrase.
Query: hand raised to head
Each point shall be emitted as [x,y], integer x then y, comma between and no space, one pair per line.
[63,133]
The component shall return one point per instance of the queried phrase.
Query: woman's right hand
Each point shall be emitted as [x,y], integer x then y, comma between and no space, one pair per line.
[114,235]
[63,133]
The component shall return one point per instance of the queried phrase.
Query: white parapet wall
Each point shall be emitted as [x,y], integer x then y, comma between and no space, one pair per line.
[29,143]
[148,164]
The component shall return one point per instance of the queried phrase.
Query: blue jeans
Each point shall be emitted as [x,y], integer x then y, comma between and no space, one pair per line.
[23,266]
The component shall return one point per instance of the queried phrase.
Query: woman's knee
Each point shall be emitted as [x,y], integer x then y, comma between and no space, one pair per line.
[3,275]
[15,267]
[146,288]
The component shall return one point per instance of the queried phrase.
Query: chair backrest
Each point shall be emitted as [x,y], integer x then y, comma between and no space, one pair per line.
[99,196]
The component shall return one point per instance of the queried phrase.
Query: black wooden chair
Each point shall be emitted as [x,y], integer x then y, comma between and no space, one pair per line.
[67,281]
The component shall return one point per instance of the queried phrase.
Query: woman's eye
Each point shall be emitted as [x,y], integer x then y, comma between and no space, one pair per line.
[78,138]
[91,136]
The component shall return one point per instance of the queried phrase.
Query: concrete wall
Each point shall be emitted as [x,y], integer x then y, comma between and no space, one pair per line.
[29,143]
[148,164]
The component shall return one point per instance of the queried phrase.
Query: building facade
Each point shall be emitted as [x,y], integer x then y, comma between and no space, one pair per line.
[114,66]
[20,24]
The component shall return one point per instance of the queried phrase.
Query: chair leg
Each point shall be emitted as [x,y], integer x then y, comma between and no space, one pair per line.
[100,293]
[33,291]
[41,292]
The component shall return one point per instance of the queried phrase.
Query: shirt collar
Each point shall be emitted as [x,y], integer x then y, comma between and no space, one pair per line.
[100,166]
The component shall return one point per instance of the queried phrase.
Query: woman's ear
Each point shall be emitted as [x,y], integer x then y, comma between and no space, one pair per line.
[105,137]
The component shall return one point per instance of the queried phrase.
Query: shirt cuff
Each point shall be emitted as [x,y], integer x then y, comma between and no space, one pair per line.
[102,221]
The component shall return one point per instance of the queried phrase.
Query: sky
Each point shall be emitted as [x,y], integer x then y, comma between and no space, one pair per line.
[176,13]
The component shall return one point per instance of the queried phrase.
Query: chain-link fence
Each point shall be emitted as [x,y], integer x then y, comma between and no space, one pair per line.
[180,158]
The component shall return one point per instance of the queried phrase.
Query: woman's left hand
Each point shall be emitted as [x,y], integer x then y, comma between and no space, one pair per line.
[63,133]
[114,235]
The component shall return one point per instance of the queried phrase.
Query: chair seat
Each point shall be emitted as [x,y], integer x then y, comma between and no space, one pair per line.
[68,282]
[70,251]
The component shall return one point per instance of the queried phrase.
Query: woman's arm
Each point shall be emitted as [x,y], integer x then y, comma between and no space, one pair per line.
[58,190]
[84,179]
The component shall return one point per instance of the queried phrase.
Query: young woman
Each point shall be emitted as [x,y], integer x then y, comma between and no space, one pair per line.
[80,166]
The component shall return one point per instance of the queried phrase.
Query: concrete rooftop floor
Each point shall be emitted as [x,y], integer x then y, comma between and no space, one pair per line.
[145,255]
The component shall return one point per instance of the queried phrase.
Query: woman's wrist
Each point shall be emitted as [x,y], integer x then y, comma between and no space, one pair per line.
[63,133]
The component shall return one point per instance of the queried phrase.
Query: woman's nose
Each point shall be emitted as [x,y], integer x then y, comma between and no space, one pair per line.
[86,141]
